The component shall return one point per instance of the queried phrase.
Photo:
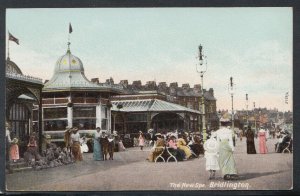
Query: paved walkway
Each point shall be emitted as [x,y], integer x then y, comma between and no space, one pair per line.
[131,171]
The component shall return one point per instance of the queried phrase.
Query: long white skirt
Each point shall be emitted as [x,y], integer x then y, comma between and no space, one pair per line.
[211,161]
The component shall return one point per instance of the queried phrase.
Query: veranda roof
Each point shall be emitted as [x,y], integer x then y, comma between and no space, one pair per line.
[150,105]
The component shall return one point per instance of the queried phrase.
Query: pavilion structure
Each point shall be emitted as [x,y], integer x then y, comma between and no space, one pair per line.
[23,104]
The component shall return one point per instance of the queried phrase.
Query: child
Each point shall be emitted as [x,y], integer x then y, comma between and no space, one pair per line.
[14,150]
[211,147]
[141,140]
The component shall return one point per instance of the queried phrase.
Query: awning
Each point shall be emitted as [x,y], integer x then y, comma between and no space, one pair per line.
[149,105]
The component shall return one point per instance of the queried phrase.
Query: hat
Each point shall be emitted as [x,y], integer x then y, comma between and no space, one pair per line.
[14,141]
[47,136]
[224,120]
[211,145]
[68,128]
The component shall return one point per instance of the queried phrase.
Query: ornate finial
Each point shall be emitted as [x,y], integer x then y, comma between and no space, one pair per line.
[70,31]
[200,53]
[69,43]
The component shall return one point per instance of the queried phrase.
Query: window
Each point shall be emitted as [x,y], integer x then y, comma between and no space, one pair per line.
[19,116]
[35,115]
[54,113]
[55,125]
[86,124]
[137,117]
[84,112]
[84,117]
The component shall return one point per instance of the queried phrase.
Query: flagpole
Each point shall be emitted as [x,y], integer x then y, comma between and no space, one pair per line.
[69,42]
[8,46]
[69,54]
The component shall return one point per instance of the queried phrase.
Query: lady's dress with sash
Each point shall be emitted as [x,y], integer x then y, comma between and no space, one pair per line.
[226,160]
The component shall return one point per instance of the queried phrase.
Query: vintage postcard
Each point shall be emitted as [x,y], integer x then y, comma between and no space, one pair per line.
[124,99]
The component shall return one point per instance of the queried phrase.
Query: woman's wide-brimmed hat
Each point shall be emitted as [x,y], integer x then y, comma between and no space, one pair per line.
[75,129]
[68,128]
[15,140]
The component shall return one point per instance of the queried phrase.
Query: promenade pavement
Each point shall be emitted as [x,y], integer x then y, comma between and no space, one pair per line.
[130,171]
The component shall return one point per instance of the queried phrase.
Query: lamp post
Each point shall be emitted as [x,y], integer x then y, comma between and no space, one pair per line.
[231,93]
[219,116]
[247,109]
[254,115]
[259,111]
[201,69]
[232,112]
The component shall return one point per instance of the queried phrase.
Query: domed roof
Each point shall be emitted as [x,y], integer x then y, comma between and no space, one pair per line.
[67,63]
[69,75]
[12,67]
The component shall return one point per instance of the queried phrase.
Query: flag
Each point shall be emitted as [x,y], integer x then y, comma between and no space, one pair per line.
[70,28]
[12,38]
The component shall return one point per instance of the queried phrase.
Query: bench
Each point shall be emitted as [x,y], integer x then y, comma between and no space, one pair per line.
[286,149]
[164,150]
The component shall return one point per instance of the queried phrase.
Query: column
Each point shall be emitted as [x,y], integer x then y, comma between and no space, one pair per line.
[114,127]
[98,115]
[124,123]
[109,120]
[148,121]
[70,116]
[40,127]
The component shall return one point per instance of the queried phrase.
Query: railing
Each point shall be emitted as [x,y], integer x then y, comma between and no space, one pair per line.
[24,78]
[65,100]
[88,84]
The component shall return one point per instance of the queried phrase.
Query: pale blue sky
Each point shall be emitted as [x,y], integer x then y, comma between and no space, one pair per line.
[253,45]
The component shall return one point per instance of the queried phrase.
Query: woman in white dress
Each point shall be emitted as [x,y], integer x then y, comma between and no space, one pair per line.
[83,145]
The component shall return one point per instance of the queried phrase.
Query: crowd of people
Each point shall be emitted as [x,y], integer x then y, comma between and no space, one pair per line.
[218,148]
[102,145]
[51,155]
[180,144]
